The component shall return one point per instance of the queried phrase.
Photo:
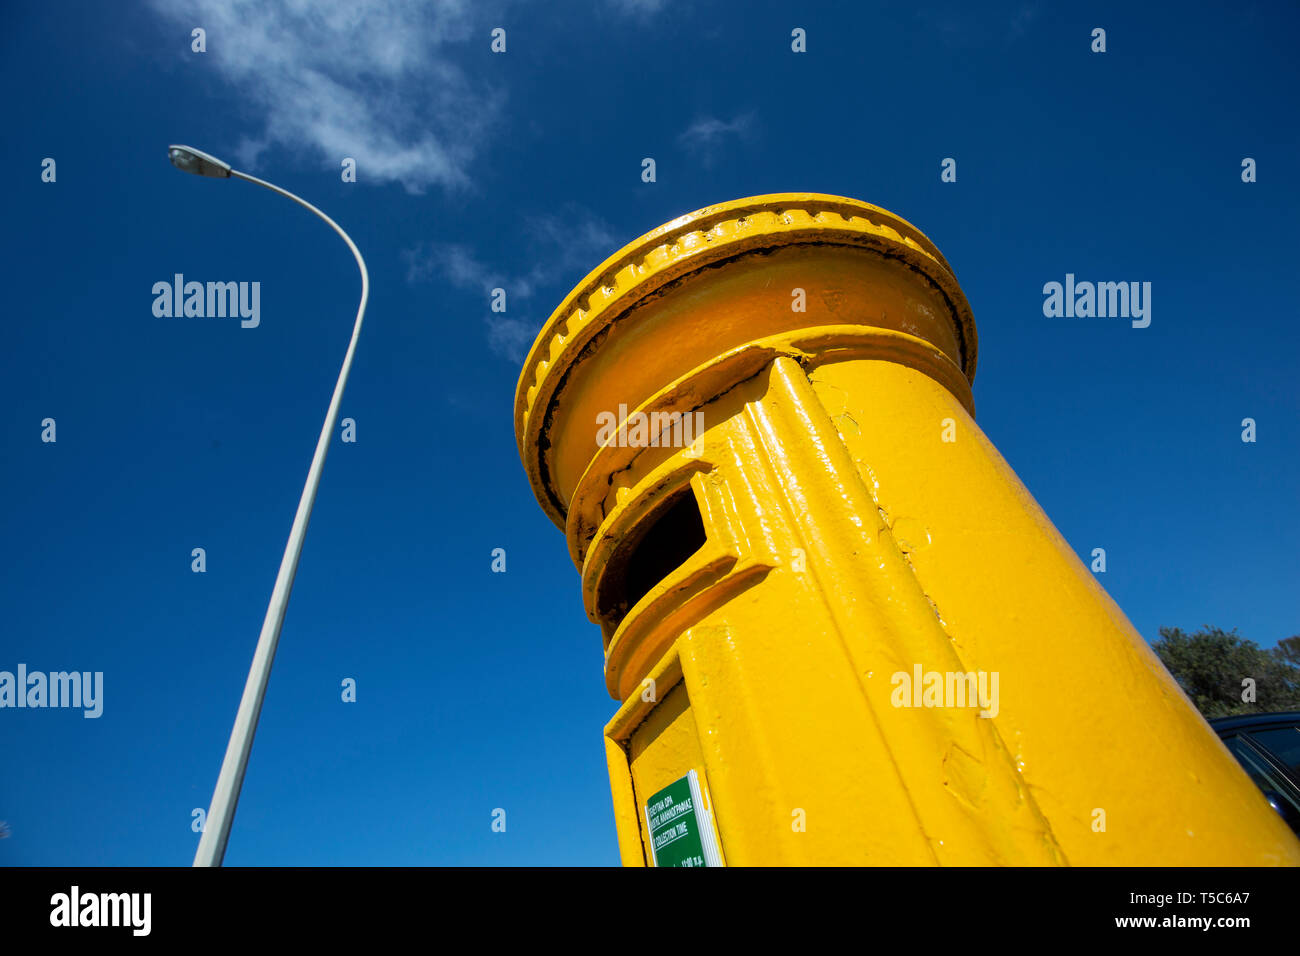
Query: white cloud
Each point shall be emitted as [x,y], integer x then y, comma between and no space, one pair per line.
[705,136]
[511,338]
[1021,19]
[559,249]
[638,6]
[957,25]
[571,243]
[457,264]
[370,79]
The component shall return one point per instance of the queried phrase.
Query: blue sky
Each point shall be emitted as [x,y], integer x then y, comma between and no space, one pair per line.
[476,690]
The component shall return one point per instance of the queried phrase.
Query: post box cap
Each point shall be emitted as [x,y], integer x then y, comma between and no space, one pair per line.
[701,240]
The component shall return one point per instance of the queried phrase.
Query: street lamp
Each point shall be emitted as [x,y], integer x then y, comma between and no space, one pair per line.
[216,830]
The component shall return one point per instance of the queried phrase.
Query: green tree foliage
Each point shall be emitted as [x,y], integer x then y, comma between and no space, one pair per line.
[1211,665]
[1289,650]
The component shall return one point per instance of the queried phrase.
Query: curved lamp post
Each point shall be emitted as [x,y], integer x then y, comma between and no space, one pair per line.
[216,831]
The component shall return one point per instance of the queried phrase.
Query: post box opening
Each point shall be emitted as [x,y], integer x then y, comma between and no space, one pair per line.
[660,544]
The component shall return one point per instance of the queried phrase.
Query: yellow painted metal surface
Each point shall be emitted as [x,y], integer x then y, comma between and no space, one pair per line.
[861,535]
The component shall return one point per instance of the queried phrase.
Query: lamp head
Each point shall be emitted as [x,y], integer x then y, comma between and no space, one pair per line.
[190,160]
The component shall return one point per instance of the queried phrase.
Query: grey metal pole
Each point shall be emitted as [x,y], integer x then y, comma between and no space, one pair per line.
[221,812]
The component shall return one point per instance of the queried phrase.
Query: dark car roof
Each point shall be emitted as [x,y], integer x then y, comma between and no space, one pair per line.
[1242,721]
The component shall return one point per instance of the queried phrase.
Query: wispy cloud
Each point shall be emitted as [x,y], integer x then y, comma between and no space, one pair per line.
[957,26]
[706,137]
[642,7]
[370,79]
[573,241]
[457,264]
[511,338]
[1021,19]
[559,249]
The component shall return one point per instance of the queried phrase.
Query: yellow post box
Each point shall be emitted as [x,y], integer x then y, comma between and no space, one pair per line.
[839,628]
